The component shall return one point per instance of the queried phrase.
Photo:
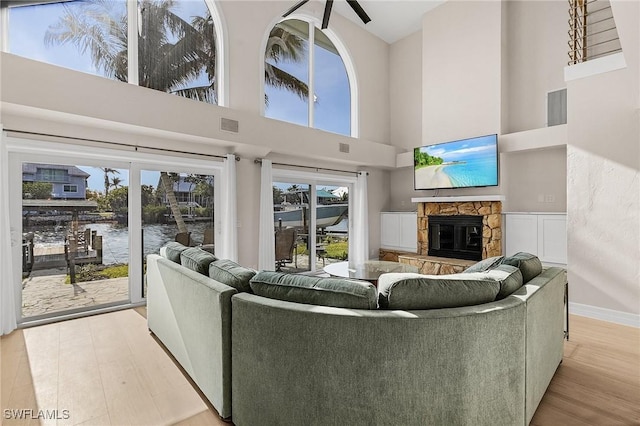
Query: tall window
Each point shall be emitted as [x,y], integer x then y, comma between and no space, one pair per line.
[176,42]
[306,81]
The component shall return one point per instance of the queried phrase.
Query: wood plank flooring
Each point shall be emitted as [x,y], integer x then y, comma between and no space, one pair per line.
[598,382]
[108,370]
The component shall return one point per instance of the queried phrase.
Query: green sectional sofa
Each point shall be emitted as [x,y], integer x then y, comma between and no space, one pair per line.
[290,349]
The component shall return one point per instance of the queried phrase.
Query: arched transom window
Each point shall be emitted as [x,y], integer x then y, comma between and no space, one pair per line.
[306,81]
[175,41]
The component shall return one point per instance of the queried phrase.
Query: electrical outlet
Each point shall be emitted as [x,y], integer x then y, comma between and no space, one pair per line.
[550,198]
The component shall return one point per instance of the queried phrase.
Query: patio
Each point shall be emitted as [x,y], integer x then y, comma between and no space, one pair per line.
[45,292]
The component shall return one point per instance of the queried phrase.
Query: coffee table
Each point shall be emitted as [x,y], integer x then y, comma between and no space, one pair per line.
[368,271]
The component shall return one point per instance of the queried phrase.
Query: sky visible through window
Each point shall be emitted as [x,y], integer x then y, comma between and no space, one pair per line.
[28,25]
[332,109]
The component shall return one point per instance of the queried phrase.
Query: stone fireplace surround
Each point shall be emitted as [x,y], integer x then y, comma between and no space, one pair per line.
[489,207]
[491,212]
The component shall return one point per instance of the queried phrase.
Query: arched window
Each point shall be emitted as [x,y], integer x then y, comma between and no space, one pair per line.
[176,41]
[302,64]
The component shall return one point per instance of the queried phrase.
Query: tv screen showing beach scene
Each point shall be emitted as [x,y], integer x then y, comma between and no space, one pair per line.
[458,164]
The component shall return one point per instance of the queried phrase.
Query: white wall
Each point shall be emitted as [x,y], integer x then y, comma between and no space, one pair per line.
[461,62]
[604,180]
[534,180]
[536,54]
[406,91]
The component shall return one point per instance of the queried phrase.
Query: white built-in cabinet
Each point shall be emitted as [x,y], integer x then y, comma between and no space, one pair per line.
[399,231]
[542,234]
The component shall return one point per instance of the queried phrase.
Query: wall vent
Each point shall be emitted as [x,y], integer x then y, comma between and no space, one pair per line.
[344,147]
[229,125]
[557,107]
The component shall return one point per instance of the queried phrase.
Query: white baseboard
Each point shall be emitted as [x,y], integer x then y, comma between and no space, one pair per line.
[604,314]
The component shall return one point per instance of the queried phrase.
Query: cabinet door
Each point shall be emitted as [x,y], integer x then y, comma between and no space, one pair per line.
[552,238]
[389,230]
[521,233]
[409,232]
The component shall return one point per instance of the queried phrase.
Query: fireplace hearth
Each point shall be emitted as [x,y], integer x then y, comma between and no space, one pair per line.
[456,237]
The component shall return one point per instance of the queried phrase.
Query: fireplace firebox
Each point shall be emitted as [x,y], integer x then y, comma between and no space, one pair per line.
[456,237]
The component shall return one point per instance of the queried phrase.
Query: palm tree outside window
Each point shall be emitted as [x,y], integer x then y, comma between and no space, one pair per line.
[291,81]
[176,42]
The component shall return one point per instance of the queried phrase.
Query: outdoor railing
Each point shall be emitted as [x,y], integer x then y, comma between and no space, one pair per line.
[592,30]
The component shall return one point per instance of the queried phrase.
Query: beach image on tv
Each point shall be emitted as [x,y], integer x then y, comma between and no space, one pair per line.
[464,163]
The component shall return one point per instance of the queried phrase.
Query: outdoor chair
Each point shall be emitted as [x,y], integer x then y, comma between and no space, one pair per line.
[285,247]
[207,242]
[184,238]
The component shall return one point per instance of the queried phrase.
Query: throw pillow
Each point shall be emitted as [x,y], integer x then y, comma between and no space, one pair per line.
[509,277]
[336,292]
[230,273]
[485,264]
[197,259]
[172,251]
[416,291]
[528,263]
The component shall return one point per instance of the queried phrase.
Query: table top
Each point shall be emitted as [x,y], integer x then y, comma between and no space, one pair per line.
[369,270]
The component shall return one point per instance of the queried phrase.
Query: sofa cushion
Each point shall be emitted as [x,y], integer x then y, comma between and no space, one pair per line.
[509,277]
[416,291]
[485,264]
[336,292]
[197,259]
[528,263]
[172,251]
[230,273]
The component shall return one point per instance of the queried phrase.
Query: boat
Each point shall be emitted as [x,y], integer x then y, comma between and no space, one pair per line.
[294,215]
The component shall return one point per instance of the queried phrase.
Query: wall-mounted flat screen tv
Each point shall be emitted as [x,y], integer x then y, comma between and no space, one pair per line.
[463,163]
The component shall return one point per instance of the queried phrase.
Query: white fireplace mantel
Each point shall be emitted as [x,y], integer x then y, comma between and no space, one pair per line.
[458,199]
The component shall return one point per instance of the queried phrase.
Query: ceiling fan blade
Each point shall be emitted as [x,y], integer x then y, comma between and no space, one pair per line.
[294,8]
[359,10]
[327,13]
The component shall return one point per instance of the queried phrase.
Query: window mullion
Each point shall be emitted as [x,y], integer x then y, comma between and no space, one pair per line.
[132,43]
[4,29]
[312,43]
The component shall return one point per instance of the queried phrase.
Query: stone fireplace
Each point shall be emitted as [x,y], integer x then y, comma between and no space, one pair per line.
[487,216]
[491,220]
[455,237]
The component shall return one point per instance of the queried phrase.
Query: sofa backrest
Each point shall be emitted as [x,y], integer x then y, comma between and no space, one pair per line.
[336,292]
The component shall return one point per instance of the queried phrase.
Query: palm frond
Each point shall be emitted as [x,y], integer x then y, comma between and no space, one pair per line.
[202,93]
[276,77]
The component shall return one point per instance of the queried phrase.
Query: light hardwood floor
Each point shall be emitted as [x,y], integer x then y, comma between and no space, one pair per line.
[107,369]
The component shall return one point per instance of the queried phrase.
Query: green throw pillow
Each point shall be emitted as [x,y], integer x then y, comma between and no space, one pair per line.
[230,273]
[197,259]
[172,251]
[528,263]
[509,277]
[416,291]
[485,264]
[336,292]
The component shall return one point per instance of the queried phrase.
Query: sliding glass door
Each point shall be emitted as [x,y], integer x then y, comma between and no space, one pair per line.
[75,237]
[311,220]
[88,220]
[176,206]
